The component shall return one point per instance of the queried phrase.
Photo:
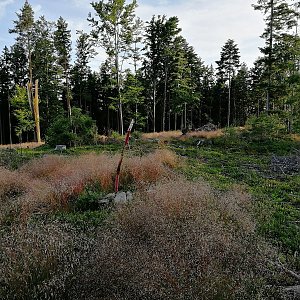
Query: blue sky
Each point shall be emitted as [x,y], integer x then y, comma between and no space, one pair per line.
[206,24]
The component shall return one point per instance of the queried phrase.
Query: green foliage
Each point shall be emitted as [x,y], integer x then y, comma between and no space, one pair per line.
[77,130]
[88,200]
[248,164]
[21,111]
[136,135]
[11,159]
[85,219]
[265,127]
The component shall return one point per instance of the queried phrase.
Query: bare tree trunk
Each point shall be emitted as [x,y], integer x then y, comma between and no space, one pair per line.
[165,99]
[1,131]
[270,57]
[9,121]
[229,102]
[37,111]
[68,95]
[154,105]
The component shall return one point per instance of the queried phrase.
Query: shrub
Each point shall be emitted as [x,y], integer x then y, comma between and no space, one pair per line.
[265,127]
[78,130]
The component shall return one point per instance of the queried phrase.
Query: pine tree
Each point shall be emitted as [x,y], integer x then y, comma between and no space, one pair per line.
[25,38]
[82,70]
[280,18]
[46,71]
[227,65]
[62,42]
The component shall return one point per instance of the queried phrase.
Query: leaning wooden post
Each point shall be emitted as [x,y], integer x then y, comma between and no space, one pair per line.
[36,111]
[122,155]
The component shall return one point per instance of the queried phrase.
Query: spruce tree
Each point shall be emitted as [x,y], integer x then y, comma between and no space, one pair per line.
[227,66]
[25,38]
[63,44]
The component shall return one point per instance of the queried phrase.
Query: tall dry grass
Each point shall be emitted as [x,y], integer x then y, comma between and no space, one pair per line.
[51,182]
[30,145]
[169,135]
[178,240]
[38,262]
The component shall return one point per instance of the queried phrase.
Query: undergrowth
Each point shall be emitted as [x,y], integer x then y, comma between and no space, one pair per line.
[234,159]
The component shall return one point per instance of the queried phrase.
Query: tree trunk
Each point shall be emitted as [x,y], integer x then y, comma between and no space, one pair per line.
[37,112]
[1,131]
[154,105]
[229,102]
[165,99]
[9,121]
[270,57]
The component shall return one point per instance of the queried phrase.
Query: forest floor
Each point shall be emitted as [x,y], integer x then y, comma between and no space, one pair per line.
[214,215]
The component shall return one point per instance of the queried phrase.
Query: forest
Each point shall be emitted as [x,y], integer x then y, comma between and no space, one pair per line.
[150,74]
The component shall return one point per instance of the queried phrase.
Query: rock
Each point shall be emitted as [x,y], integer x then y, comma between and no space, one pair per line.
[60,147]
[129,196]
[104,201]
[120,198]
[116,198]
[110,196]
[208,127]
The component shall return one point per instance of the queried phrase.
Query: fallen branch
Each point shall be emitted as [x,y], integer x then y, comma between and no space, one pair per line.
[295,289]
[288,271]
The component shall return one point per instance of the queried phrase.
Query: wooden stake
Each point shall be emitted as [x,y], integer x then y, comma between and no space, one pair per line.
[122,155]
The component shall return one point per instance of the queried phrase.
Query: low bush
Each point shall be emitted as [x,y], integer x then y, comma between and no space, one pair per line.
[78,130]
[265,127]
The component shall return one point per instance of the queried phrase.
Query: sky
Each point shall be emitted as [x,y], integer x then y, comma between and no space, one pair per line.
[206,24]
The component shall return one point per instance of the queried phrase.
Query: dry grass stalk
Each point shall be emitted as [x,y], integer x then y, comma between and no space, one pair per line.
[178,240]
[30,145]
[206,134]
[169,135]
[55,180]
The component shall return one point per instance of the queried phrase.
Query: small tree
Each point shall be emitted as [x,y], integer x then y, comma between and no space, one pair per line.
[22,112]
[78,130]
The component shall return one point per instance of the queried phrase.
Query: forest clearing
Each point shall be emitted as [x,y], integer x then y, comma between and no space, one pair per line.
[199,199]
[215,221]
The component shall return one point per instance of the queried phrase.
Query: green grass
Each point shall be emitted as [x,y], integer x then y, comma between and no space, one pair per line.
[237,161]
[84,220]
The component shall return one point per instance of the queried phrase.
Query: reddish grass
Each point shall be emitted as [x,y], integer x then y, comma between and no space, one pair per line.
[205,134]
[55,180]
[176,240]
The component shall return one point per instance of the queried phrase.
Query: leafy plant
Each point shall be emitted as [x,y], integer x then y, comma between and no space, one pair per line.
[265,127]
[77,130]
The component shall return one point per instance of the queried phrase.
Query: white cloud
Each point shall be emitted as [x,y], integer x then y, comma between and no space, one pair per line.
[37,9]
[3,5]
[208,24]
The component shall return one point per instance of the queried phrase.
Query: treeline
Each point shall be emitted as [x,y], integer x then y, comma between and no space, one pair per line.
[150,74]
